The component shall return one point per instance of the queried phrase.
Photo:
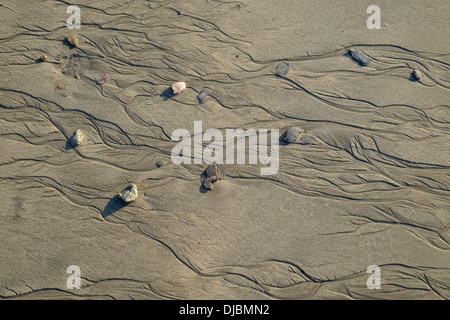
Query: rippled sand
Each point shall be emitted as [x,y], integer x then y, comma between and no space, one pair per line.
[367,184]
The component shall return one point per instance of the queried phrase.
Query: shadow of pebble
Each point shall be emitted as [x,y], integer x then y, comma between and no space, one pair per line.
[114,205]
[68,145]
[202,189]
[67,44]
[167,94]
[348,55]
[281,141]
[412,78]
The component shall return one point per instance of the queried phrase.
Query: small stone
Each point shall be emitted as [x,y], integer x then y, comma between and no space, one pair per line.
[129,194]
[282,69]
[43,58]
[208,182]
[208,185]
[360,57]
[212,170]
[291,135]
[77,138]
[417,75]
[72,40]
[178,87]
[202,96]
[211,175]
[160,163]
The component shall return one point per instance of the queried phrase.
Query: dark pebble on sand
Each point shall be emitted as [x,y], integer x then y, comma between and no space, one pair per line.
[202,96]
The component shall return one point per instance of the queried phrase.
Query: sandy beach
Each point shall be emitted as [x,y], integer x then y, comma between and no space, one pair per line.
[363,185]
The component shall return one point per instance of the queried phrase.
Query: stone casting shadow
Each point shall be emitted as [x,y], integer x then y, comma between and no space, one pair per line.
[67,44]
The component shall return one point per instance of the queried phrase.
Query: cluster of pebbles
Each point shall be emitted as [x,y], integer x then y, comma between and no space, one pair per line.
[364,60]
[179,87]
[283,68]
[211,173]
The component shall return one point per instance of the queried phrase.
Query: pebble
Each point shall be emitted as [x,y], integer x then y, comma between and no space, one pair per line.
[72,40]
[212,175]
[129,194]
[360,57]
[160,163]
[212,170]
[282,69]
[291,134]
[77,138]
[178,87]
[43,58]
[202,96]
[417,75]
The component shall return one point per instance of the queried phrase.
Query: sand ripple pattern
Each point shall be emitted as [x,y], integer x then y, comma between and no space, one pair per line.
[366,184]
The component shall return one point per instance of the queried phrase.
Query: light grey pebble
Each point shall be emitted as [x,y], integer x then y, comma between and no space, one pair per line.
[417,75]
[77,138]
[360,57]
[282,69]
[291,134]
[129,194]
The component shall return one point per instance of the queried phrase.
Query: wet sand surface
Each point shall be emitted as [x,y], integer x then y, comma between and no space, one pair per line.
[366,183]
